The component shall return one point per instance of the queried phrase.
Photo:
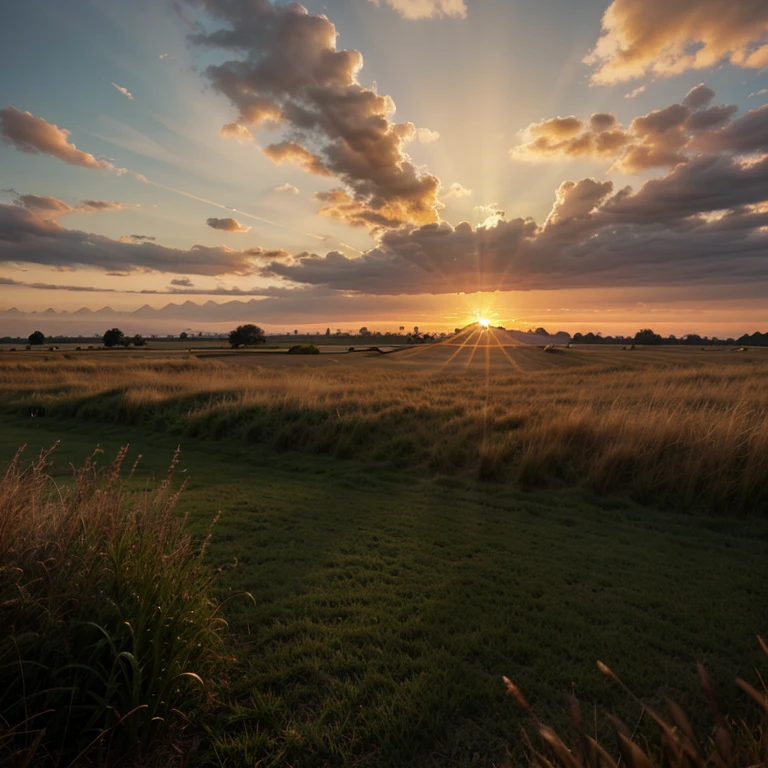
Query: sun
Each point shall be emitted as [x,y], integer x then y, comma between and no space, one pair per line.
[484,321]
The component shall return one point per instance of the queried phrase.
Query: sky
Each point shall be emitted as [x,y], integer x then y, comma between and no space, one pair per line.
[587,165]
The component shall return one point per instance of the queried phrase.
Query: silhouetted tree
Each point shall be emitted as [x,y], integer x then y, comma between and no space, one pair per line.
[37,338]
[327,331]
[247,336]
[364,332]
[647,336]
[138,341]
[183,335]
[113,337]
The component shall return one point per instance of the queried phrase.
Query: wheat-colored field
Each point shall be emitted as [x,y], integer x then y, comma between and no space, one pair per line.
[686,427]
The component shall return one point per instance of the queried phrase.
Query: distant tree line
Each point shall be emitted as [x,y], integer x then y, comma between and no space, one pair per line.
[647,336]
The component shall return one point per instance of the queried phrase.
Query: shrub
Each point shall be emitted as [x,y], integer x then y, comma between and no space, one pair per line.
[107,630]
[304,349]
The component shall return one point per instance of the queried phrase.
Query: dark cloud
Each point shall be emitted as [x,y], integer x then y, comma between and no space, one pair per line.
[748,133]
[34,135]
[699,96]
[182,282]
[26,237]
[287,69]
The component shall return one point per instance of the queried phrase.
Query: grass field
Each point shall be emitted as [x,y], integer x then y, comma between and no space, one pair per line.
[393,588]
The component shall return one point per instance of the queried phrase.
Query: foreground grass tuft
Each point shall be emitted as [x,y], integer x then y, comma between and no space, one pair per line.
[107,632]
[730,743]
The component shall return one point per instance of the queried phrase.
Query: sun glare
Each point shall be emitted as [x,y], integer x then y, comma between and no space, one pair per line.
[485,322]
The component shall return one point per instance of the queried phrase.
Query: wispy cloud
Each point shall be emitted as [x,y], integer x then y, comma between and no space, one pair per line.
[122,90]
[287,188]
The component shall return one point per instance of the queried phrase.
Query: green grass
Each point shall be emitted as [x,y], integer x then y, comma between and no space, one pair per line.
[388,606]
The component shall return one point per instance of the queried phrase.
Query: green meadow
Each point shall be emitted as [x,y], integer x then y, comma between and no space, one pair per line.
[389,598]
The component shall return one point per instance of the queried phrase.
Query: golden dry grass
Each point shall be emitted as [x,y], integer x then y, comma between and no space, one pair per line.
[689,430]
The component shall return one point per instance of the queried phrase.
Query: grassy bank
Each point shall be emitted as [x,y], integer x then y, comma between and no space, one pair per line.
[692,433]
[388,606]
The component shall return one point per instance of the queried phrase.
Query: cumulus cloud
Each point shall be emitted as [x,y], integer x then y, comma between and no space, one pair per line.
[287,188]
[663,138]
[227,225]
[34,135]
[26,237]
[426,136]
[294,153]
[704,223]
[456,190]
[699,96]
[427,9]
[122,90]
[236,131]
[286,68]
[667,37]
[569,137]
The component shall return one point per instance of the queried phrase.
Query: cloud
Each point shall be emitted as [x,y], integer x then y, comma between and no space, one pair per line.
[286,68]
[287,188]
[698,97]
[636,92]
[29,238]
[294,153]
[663,138]
[236,131]
[748,133]
[427,9]
[137,239]
[52,206]
[758,93]
[122,90]
[425,136]
[228,225]
[667,37]
[569,137]
[34,135]
[456,190]
[182,282]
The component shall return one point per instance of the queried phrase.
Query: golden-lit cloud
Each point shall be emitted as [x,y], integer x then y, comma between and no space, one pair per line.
[294,153]
[52,206]
[227,225]
[289,188]
[663,138]
[236,131]
[456,190]
[426,136]
[287,69]
[427,9]
[34,135]
[667,37]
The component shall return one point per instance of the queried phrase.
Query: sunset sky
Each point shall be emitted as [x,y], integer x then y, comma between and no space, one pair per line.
[574,164]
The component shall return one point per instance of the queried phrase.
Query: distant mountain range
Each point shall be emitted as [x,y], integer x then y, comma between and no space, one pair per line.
[146,319]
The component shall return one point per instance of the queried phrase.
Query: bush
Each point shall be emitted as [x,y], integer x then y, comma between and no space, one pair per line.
[304,349]
[107,630]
